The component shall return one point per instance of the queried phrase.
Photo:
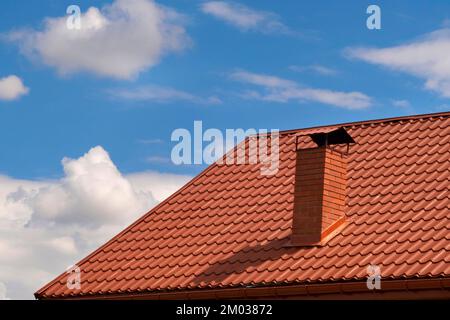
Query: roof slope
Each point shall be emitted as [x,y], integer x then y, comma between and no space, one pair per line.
[229,225]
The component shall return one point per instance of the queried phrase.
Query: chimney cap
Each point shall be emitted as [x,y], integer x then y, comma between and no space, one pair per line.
[330,136]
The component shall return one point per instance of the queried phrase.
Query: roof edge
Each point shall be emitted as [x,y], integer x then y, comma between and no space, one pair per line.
[374,121]
[311,290]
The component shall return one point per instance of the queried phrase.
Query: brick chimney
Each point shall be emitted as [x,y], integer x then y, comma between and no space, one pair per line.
[320,190]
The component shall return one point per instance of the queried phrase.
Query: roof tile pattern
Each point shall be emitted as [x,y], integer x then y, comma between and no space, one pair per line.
[229,226]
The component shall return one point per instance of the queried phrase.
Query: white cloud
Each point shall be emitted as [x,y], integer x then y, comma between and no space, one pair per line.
[14,213]
[65,245]
[160,94]
[119,40]
[280,90]
[316,68]
[93,192]
[245,18]
[426,58]
[262,79]
[11,88]
[401,103]
[3,291]
[159,184]
[47,225]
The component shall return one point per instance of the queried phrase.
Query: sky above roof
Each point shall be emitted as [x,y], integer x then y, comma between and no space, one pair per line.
[107,97]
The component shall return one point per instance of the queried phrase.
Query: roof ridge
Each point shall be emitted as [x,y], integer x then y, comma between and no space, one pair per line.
[374,121]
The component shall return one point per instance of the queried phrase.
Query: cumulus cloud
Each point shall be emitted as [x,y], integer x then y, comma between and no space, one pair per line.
[245,18]
[426,58]
[160,184]
[11,88]
[46,226]
[159,94]
[3,291]
[275,89]
[119,40]
[92,192]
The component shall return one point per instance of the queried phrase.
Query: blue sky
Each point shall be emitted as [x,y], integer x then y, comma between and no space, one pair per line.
[66,115]
[124,83]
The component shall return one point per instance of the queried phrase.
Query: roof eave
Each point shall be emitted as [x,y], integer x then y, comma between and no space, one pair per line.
[395,289]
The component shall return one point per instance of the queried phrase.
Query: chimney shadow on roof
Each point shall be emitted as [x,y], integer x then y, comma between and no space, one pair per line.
[249,257]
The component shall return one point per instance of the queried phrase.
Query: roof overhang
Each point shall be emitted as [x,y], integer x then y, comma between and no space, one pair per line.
[433,288]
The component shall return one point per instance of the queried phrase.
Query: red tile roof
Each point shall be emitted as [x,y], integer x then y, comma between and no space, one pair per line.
[228,227]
